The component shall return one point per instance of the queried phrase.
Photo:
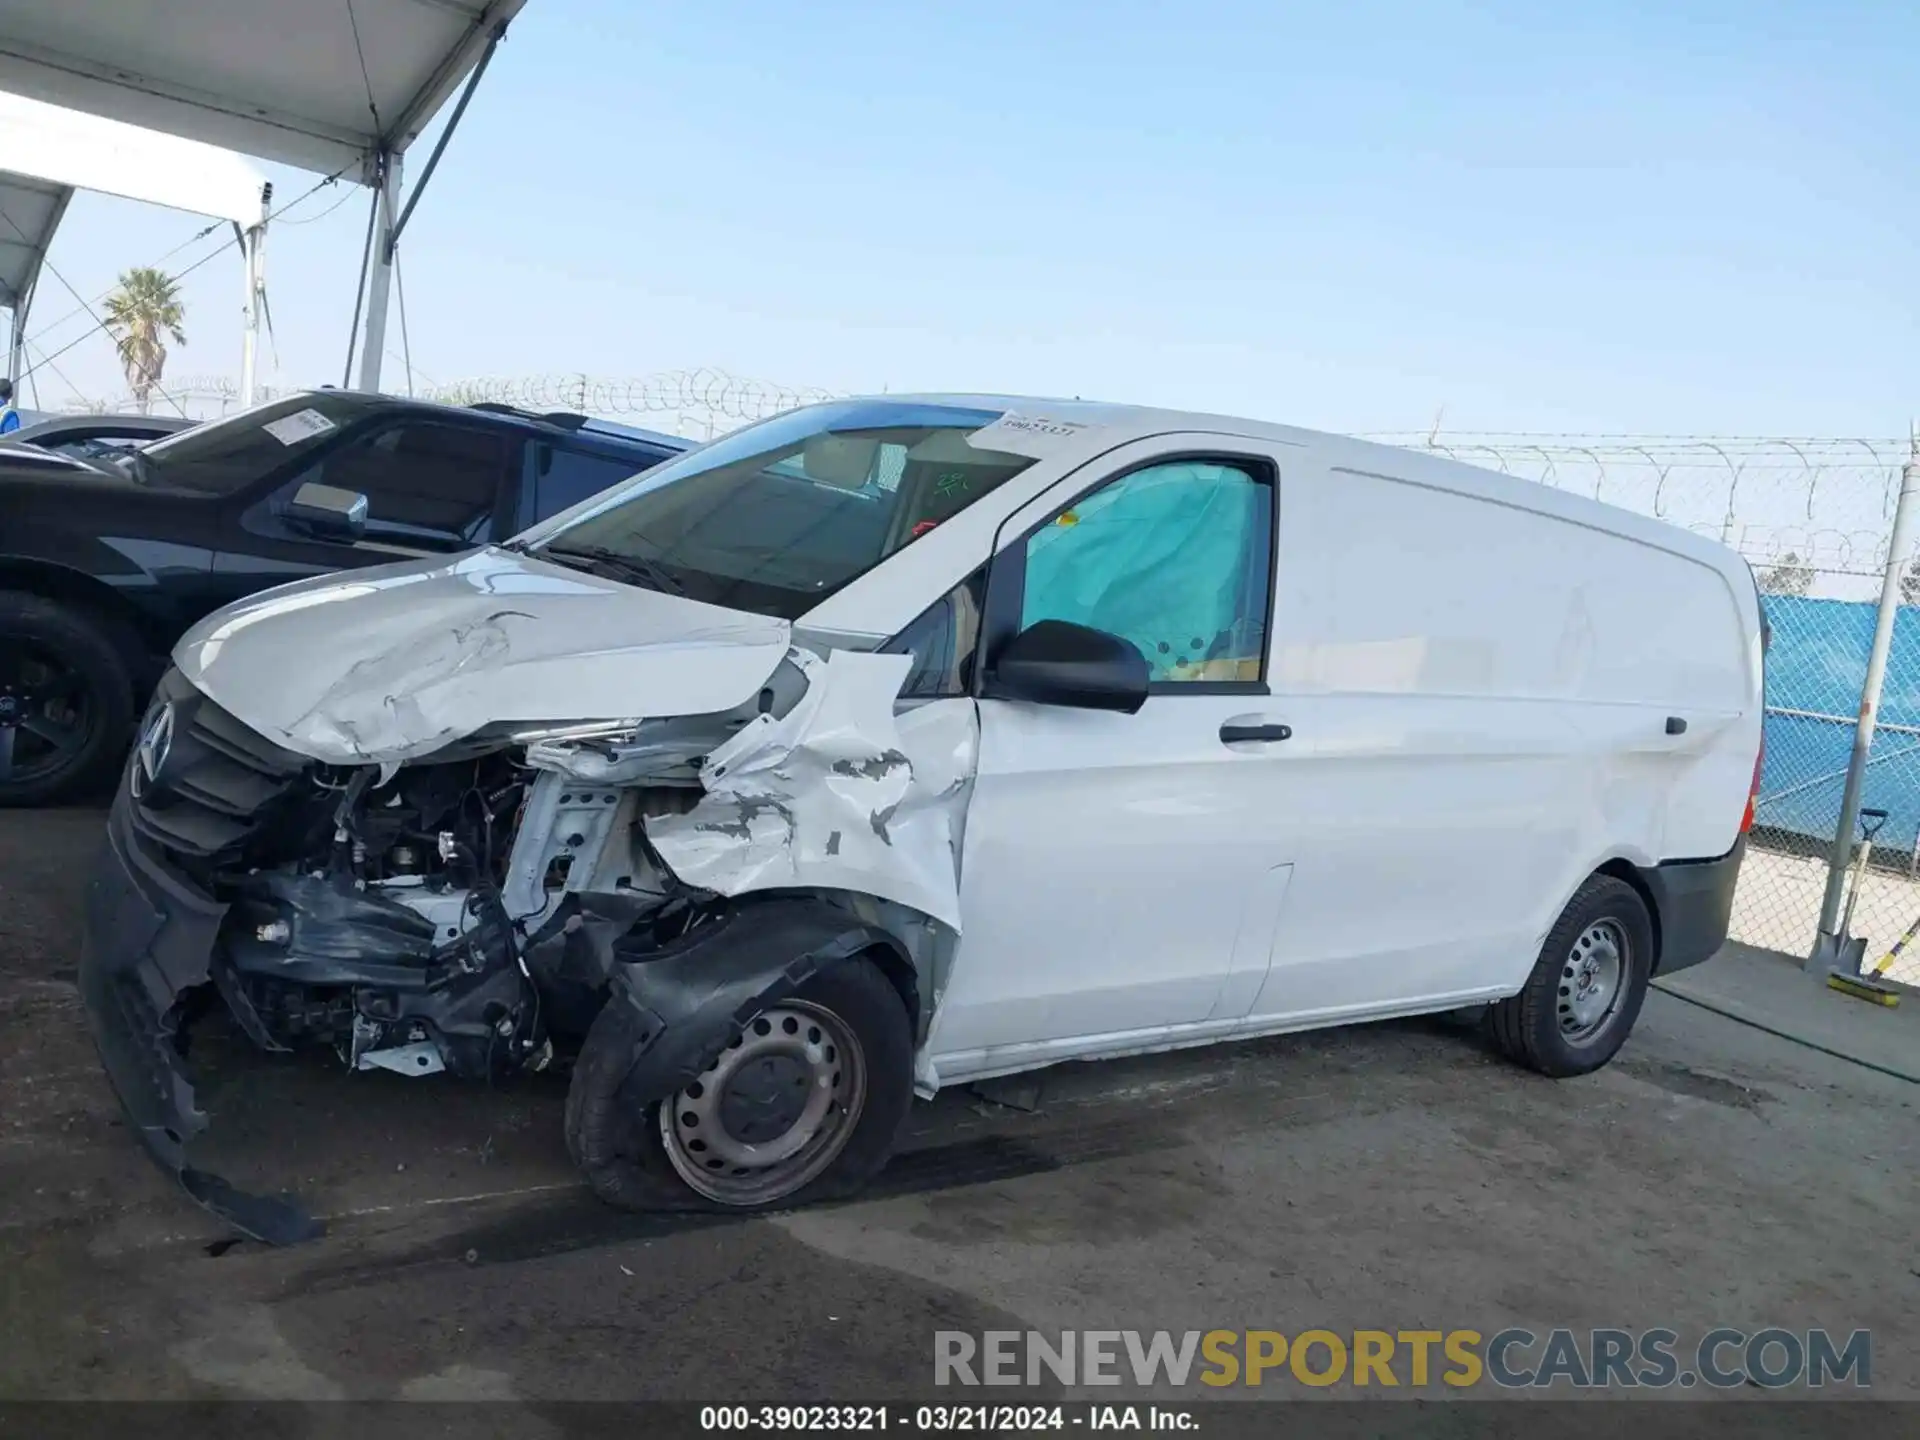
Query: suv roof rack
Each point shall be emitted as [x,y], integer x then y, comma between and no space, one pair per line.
[564,419]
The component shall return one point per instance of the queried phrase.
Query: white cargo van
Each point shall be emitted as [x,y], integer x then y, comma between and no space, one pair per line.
[897,742]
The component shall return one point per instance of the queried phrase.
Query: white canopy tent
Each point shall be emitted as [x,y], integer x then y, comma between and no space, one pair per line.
[50,153]
[340,87]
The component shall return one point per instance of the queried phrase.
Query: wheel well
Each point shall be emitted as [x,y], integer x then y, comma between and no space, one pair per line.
[1629,873]
[136,634]
[902,976]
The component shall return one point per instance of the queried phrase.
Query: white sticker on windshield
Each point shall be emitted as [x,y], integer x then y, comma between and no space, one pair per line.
[301,425]
[1036,436]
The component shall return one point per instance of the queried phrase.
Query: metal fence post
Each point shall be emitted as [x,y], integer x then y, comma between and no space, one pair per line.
[1897,546]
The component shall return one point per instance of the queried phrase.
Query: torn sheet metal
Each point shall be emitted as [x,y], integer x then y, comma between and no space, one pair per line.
[839,794]
[392,663]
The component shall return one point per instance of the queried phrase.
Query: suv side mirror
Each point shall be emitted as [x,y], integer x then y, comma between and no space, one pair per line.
[1055,662]
[328,512]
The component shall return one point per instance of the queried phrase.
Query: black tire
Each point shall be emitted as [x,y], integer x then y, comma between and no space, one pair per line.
[1536,1028]
[618,1145]
[93,652]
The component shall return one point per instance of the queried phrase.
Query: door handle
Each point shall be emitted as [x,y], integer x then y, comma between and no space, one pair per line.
[1230,733]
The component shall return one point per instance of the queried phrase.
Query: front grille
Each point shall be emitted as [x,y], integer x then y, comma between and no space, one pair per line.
[217,785]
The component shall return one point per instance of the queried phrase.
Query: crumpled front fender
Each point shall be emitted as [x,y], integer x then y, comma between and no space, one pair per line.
[693,998]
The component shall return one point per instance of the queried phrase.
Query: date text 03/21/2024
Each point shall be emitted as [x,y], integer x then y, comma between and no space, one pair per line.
[935,1419]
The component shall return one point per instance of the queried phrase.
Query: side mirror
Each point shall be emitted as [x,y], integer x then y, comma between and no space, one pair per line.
[328,512]
[1055,662]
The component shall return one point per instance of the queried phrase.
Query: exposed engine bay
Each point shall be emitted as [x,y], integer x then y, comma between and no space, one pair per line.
[406,929]
[474,911]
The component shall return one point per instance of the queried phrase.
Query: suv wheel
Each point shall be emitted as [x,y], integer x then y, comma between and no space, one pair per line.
[66,701]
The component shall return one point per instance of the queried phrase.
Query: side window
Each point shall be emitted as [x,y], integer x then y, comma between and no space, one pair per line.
[1176,558]
[427,483]
[942,642]
[559,479]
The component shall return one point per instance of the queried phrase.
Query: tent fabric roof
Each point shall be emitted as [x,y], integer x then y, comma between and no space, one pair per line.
[48,153]
[34,208]
[282,80]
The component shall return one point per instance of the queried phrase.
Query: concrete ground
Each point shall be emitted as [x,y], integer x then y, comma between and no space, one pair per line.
[1777,906]
[1392,1177]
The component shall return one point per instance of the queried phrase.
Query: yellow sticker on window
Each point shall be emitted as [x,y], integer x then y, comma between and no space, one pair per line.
[1067,517]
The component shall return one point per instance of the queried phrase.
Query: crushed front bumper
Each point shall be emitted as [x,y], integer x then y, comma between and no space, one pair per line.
[149,938]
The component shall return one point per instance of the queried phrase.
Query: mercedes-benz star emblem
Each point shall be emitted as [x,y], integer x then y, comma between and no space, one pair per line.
[155,741]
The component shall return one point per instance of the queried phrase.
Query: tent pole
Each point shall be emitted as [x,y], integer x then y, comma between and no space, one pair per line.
[253,244]
[380,272]
[453,124]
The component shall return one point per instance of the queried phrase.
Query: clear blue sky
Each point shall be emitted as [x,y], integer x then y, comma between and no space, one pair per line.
[1690,217]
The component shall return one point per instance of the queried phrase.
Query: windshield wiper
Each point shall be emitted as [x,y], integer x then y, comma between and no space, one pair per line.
[615,565]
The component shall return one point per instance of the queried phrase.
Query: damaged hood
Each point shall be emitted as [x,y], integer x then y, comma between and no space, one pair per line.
[392,663]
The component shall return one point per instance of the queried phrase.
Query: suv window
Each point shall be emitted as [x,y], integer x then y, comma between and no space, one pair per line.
[427,482]
[1175,557]
[558,479]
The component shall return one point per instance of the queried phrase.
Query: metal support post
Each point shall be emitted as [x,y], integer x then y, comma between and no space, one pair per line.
[380,272]
[1897,548]
[253,245]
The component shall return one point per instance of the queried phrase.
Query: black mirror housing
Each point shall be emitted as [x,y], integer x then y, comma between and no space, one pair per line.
[1056,662]
[328,511]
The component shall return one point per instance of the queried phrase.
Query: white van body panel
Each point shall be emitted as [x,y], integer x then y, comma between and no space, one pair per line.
[1487,684]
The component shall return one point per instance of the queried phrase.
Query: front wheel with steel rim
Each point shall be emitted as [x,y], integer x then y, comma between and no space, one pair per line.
[802,1106]
[1587,984]
[772,1111]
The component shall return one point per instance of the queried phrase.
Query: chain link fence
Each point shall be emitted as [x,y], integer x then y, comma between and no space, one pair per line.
[197,397]
[698,404]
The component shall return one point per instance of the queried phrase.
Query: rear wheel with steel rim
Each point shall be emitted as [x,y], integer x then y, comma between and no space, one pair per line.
[1592,982]
[802,1106]
[66,700]
[1587,985]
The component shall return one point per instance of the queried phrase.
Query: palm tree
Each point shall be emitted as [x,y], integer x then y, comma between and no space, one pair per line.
[145,308]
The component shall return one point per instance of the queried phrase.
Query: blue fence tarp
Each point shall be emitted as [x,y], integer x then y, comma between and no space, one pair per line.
[1816,666]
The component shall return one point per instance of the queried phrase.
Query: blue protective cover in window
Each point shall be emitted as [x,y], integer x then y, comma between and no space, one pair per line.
[1173,558]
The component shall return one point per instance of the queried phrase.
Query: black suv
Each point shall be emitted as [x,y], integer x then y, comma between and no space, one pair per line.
[105,563]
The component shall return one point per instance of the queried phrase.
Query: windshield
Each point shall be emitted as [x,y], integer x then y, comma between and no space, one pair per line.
[224,455]
[776,517]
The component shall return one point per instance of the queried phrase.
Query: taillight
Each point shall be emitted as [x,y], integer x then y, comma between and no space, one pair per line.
[1753,795]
